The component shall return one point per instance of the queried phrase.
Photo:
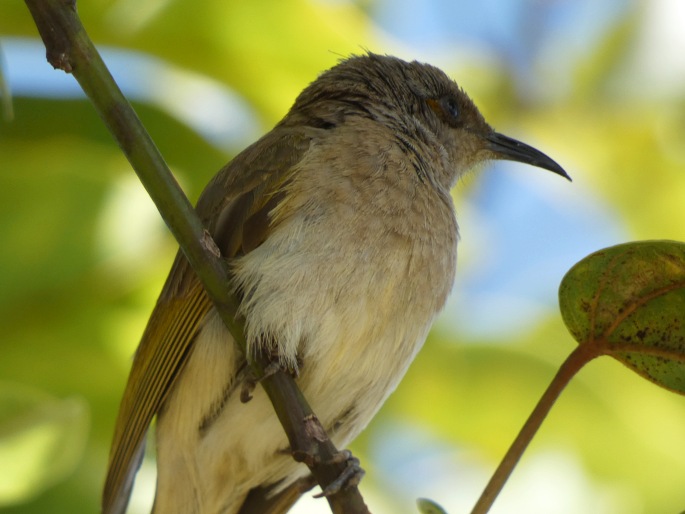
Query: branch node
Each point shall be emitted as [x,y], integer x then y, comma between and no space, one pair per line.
[313,428]
[209,244]
[60,61]
[304,457]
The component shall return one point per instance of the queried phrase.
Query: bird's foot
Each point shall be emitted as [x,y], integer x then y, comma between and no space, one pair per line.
[350,476]
[249,384]
[251,380]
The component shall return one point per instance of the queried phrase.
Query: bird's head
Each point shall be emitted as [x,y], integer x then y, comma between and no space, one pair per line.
[423,107]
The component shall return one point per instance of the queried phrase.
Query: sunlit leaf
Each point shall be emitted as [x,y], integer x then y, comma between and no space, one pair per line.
[5,95]
[41,441]
[594,74]
[628,301]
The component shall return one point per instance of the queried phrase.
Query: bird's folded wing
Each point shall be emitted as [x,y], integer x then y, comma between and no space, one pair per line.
[165,345]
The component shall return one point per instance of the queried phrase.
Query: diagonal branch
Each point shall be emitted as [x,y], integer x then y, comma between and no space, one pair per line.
[69,48]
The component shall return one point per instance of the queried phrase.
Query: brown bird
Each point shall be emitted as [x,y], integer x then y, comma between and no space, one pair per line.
[341,236]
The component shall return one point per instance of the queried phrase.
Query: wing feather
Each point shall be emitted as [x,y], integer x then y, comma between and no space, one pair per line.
[172,326]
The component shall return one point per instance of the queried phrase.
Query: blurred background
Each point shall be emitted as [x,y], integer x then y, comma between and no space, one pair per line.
[599,86]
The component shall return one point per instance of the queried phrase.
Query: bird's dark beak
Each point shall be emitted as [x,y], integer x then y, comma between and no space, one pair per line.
[506,148]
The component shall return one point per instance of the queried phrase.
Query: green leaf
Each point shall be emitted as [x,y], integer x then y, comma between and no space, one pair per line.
[427,506]
[41,440]
[628,301]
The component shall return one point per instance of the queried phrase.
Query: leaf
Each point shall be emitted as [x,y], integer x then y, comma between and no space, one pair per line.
[427,506]
[628,301]
[41,440]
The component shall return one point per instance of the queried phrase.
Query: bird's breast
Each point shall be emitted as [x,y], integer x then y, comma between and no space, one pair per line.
[360,260]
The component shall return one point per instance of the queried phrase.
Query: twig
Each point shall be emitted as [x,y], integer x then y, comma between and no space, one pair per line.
[573,363]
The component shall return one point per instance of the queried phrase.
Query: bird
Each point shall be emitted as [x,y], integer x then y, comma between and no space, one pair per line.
[340,233]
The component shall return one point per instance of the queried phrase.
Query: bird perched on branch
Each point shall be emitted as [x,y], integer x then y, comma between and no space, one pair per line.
[341,237]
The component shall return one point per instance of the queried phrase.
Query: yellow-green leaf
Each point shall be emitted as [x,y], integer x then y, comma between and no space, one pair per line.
[628,301]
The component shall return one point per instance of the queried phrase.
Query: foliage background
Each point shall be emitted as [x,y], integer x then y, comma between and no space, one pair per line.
[599,86]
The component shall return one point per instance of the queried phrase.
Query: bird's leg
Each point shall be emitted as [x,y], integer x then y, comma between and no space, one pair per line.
[251,380]
[275,365]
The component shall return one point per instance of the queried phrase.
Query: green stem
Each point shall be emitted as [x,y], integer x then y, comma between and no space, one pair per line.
[573,363]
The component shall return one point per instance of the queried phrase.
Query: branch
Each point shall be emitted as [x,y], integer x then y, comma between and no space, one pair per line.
[70,49]
[573,363]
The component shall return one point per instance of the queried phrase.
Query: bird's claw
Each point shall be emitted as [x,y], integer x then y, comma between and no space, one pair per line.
[350,476]
[251,381]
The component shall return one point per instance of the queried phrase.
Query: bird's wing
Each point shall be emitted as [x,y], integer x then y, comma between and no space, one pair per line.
[235,209]
[262,500]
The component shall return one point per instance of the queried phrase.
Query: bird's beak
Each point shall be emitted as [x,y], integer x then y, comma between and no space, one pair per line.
[506,148]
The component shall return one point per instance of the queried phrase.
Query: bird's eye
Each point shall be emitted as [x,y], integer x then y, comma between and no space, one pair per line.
[447,109]
[450,107]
